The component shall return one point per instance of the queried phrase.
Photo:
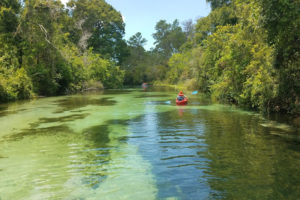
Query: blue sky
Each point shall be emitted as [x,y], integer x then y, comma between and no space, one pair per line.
[142,15]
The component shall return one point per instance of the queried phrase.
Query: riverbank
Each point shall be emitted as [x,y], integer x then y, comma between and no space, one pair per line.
[294,116]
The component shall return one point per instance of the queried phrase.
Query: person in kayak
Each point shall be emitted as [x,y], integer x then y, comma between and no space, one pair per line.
[180,96]
[145,85]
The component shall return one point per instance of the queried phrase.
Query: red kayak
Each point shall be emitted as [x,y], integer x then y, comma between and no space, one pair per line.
[182,102]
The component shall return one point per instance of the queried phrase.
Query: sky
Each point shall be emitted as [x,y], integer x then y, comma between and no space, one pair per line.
[142,15]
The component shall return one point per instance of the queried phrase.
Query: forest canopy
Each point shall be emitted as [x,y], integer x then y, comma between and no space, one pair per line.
[47,49]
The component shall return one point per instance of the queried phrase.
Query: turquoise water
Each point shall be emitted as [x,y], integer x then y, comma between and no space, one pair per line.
[135,144]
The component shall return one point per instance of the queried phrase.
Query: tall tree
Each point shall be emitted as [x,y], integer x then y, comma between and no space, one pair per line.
[136,63]
[42,36]
[282,22]
[137,40]
[168,37]
[218,3]
[101,26]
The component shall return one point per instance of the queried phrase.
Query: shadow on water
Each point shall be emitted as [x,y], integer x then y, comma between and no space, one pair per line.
[204,154]
[53,130]
[96,154]
[12,107]
[98,135]
[72,103]
[2,157]
[97,151]
[4,110]
[68,118]
[34,129]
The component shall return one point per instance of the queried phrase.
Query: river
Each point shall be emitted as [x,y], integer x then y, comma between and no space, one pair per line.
[135,144]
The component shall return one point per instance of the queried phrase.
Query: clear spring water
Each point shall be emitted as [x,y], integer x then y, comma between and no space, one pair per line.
[134,144]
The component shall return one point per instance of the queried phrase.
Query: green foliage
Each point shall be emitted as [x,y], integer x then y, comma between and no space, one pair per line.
[220,16]
[179,69]
[218,3]
[14,84]
[147,66]
[137,40]
[234,55]
[281,19]
[138,65]
[8,15]
[41,48]
[101,28]
[103,70]
[168,37]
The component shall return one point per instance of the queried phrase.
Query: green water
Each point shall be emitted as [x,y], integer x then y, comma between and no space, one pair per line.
[134,144]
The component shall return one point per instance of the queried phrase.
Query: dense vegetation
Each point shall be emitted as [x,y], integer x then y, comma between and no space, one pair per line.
[244,52]
[49,50]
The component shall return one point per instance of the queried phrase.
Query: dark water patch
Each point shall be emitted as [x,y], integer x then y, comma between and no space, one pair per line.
[1,157]
[284,119]
[97,154]
[72,103]
[77,111]
[12,108]
[6,112]
[123,122]
[292,140]
[62,119]
[153,96]
[53,130]
[3,108]
[98,135]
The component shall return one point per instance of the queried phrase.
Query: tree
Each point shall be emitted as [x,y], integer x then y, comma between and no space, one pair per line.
[8,15]
[137,40]
[136,63]
[218,3]
[14,81]
[101,27]
[42,37]
[282,22]
[220,16]
[168,37]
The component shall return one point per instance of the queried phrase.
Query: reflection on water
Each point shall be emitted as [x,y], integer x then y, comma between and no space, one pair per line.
[134,145]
